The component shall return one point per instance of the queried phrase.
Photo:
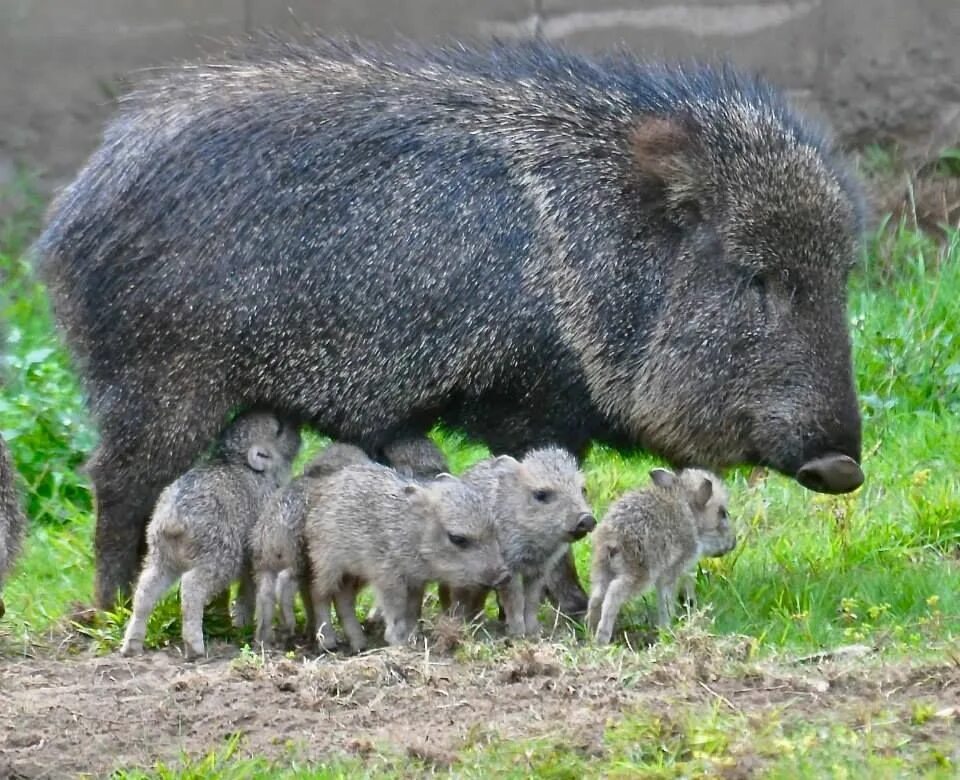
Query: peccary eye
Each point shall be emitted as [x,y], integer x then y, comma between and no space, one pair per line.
[459,541]
[723,513]
[542,495]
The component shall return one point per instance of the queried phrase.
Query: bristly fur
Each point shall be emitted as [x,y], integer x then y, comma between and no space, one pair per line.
[377,239]
[13,521]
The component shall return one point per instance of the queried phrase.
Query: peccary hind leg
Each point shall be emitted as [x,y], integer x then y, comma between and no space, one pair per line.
[122,517]
[153,583]
[267,590]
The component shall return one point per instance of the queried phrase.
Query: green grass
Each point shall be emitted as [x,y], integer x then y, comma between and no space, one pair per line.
[879,566]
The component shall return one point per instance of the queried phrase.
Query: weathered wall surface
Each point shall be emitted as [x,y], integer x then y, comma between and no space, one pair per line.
[875,68]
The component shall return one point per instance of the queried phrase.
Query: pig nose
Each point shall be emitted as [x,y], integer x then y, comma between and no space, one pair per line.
[502,578]
[585,524]
[833,473]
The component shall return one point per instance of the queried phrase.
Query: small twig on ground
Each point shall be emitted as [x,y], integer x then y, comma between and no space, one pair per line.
[718,696]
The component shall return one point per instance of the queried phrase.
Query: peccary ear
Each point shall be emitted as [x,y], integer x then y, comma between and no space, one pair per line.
[663,150]
[510,464]
[663,478]
[421,493]
[703,493]
[258,458]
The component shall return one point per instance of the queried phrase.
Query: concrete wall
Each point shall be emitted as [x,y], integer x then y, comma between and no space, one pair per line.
[875,68]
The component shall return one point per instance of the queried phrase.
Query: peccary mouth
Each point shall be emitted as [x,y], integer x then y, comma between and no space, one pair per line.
[832,473]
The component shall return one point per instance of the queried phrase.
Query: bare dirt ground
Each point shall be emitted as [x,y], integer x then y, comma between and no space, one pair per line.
[73,712]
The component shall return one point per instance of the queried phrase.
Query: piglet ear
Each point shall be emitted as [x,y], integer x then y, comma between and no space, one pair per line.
[703,493]
[663,478]
[422,494]
[258,458]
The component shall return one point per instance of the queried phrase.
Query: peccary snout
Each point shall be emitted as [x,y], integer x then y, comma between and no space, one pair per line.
[831,473]
[585,524]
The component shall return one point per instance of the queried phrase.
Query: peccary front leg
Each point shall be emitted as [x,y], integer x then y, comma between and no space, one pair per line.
[564,587]
[306,595]
[532,596]
[244,607]
[346,601]
[667,596]
[601,579]
[394,599]
[154,582]
[689,590]
[616,596]
[322,617]
[414,610]
[267,589]
[511,598]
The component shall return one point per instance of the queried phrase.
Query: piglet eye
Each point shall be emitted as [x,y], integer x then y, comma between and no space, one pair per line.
[723,513]
[542,495]
[459,541]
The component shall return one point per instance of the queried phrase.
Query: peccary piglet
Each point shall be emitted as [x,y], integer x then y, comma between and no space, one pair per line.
[540,507]
[416,457]
[12,520]
[374,526]
[200,527]
[655,537]
[276,542]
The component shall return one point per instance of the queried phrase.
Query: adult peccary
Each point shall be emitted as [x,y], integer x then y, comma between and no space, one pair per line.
[540,508]
[13,522]
[654,537]
[200,528]
[527,244]
[396,534]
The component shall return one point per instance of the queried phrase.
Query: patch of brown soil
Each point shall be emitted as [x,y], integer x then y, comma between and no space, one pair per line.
[64,715]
